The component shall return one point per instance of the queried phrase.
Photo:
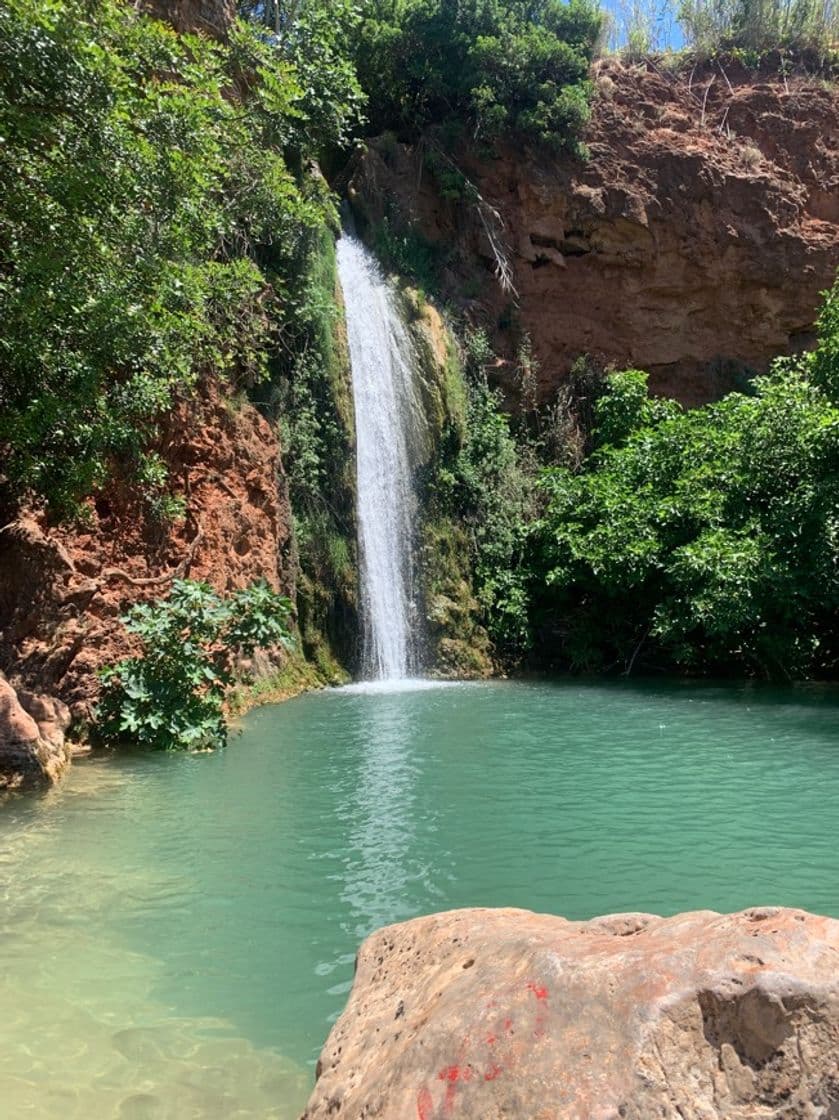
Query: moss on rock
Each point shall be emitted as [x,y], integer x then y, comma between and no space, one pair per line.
[317,422]
[459,645]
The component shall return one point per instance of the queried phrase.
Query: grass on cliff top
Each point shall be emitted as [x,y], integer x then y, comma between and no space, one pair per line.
[765,36]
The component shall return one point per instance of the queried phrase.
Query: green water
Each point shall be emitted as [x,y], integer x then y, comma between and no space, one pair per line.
[177,932]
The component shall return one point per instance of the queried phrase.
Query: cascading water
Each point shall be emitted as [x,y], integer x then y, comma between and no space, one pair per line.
[388,421]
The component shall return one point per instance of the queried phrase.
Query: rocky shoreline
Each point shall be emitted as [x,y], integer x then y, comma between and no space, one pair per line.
[37,743]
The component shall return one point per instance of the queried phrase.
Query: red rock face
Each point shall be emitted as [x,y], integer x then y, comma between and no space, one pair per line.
[63,589]
[491,1014]
[694,243]
[32,747]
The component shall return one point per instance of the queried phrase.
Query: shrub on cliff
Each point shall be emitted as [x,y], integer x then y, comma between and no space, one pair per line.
[314,38]
[706,538]
[495,67]
[172,697]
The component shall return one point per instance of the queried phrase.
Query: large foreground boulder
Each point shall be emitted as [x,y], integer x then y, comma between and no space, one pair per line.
[502,1013]
[32,747]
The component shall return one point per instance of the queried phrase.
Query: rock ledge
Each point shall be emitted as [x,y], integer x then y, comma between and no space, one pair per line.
[504,1013]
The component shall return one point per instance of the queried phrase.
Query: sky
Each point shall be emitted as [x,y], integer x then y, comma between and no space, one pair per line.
[658,15]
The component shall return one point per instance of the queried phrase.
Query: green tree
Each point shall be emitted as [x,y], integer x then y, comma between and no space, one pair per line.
[705,539]
[172,697]
[143,179]
[495,67]
[315,37]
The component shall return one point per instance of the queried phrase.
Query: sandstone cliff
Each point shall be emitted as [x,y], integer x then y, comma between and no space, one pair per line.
[63,589]
[693,243]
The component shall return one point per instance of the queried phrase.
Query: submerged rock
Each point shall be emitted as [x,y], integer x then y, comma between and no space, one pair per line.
[32,746]
[486,1014]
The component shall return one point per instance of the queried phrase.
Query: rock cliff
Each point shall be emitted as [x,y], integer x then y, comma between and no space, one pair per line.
[693,243]
[63,589]
[487,1014]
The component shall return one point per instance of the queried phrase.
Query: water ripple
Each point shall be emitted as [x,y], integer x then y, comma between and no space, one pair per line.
[178,932]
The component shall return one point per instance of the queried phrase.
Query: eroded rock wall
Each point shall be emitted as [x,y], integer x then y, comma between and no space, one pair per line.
[64,588]
[491,1014]
[694,243]
[33,750]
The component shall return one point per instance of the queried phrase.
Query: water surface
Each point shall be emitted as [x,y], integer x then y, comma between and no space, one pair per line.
[177,932]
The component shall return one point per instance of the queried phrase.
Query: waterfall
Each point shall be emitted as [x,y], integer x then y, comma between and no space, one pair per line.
[388,420]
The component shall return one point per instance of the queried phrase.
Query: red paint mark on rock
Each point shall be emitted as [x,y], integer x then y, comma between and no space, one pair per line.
[448,1103]
[538,990]
[451,1075]
[492,1073]
[455,1073]
[508,1025]
[425,1104]
[491,1039]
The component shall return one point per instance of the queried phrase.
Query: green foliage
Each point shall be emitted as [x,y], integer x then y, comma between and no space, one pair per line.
[314,38]
[824,361]
[498,66]
[137,190]
[311,399]
[482,482]
[627,407]
[402,249]
[304,393]
[172,697]
[704,539]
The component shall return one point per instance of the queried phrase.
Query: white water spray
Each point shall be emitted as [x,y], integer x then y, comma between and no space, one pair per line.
[388,420]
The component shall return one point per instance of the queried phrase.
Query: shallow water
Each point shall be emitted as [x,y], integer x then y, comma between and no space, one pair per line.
[177,932]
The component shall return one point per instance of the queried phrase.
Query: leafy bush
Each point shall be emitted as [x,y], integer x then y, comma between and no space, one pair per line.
[172,697]
[704,539]
[496,65]
[139,191]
